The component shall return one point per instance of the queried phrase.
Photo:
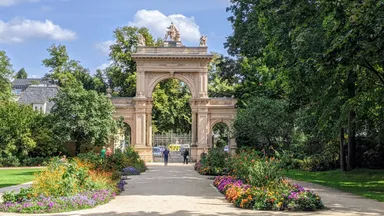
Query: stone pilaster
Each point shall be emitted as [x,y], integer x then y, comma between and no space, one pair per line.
[149,124]
[140,122]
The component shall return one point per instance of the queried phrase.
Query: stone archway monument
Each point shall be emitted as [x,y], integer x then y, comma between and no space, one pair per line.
[187,64]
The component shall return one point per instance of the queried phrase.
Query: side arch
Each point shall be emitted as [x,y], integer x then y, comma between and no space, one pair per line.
[216,121]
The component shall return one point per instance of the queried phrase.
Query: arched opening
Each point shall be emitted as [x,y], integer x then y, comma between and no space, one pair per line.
[122,139]
[220,135]
[171,118]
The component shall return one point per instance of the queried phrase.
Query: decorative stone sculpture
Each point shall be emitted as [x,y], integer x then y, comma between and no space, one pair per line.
[109,92]
[172,33]
[203,40]
[141,40]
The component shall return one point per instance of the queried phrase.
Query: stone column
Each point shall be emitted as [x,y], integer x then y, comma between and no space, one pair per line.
[194,127]
[203,83]
[149,129]
[202,127]
[140,122]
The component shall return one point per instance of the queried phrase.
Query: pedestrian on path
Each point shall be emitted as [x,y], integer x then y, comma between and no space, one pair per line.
[186,156]
[102,152]
[166,155]
[108,153]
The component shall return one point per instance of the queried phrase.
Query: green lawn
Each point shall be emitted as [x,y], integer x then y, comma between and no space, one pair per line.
[364,182]
[9,177]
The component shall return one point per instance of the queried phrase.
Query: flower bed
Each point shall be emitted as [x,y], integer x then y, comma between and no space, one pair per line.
[80,183]
[253,180]
[275,196]
[44,204]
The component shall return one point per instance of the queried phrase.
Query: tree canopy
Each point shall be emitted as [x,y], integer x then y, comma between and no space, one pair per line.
[83,117]
[21,74]
[6,73]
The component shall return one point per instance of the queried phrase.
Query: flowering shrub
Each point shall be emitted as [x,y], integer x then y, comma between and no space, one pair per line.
[263,171]
[117,161]
[121,185]
[71,178]
[130,171]
[80,183]
[255,181]
[47,204]
[275,196]
[214,163]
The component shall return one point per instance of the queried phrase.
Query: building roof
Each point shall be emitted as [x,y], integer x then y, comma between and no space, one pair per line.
[20,83]
[38,94]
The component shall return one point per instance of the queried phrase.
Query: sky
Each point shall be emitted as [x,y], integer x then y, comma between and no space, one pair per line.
[85,27]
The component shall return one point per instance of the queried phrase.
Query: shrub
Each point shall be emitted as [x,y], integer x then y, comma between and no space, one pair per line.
[239,164]
[71,178]
[23,195]
[36,161]
[10,161]
[265,170]
[117,161]
[318,163]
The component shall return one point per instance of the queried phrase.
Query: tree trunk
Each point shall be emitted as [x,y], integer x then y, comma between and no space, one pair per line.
[351,140]
[351,86]
[342,150]
[78,146]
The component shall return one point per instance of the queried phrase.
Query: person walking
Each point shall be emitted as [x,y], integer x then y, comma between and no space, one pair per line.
[186,156]
[166,155]
[108,153]
[102,152]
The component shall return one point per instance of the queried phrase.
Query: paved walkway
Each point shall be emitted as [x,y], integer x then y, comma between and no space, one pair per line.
[179,190]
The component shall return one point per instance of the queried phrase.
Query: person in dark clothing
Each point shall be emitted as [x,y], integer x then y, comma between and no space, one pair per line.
[186,155]
[166,155]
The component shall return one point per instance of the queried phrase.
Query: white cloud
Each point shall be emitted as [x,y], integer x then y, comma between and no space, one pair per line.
[19,30]
[104,46]
[7,3]
[104,65]
[157,23]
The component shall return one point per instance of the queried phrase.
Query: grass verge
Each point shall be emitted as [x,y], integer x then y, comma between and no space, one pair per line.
[364,182]
[10,177]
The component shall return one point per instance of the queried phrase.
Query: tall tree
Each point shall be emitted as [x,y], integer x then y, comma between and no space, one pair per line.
[121,74]
[63,70]
[315,55]
[6,72]
[83,117]
[21,74]
[222,76]
[16,138]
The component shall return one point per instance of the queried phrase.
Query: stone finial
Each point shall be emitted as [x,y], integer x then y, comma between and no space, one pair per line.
[141,40]
[203,40]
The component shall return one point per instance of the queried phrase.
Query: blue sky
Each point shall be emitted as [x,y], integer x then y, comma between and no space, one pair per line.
[85,27]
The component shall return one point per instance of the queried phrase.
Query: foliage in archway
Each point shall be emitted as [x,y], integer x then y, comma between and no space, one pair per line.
[171,109]
[221,133]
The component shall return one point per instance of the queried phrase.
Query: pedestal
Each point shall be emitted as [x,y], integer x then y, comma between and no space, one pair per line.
[145,153]
[196,152]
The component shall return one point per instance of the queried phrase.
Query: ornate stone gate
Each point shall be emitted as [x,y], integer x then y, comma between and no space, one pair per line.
[187,64]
